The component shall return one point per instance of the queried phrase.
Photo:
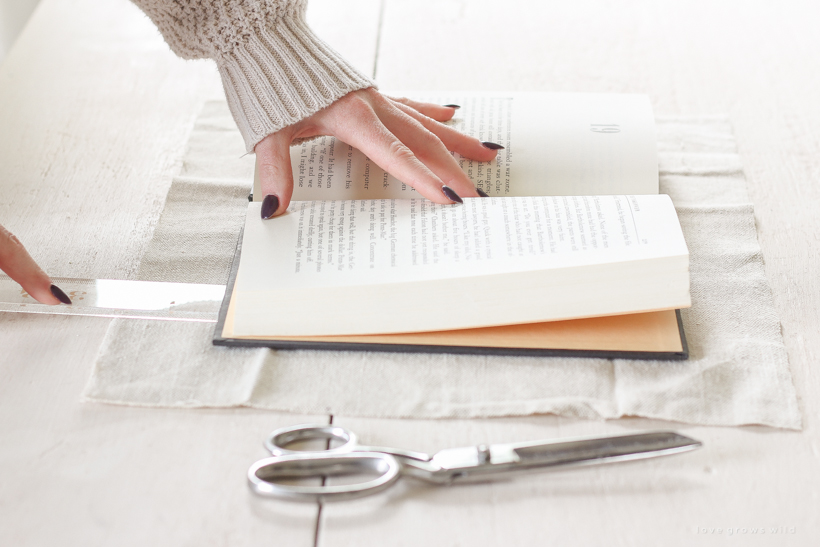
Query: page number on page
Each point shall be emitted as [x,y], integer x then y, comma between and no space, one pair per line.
[605,128]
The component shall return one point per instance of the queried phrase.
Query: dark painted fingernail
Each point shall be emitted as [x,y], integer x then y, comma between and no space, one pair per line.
[481,193]
[451,195]
[269,206]
[60,295]
[492,146]
[452,106]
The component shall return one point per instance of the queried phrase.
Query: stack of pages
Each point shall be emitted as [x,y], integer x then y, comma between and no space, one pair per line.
[574,252]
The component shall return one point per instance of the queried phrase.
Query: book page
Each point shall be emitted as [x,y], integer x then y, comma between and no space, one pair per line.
[369,266]
[555,144]
[359,242]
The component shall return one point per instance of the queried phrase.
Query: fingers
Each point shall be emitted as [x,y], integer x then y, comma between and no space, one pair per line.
[427,147]
[362,127]
[454,140]
[18,265]
[438,112]
[275,172]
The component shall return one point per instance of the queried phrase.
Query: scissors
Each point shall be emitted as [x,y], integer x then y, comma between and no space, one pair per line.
[268,477]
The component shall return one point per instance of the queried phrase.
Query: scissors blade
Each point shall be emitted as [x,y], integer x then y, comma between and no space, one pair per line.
[601,450]
[478,462]
[121,298]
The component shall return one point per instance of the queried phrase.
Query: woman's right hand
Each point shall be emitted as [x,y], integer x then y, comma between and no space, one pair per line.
[18,265]
[405,138]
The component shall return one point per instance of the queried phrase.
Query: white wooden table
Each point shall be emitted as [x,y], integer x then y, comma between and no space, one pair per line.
[94,115]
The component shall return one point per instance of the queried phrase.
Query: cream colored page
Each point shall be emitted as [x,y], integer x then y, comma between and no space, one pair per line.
[555,144]
[583,144]
[380,266]
[368,242]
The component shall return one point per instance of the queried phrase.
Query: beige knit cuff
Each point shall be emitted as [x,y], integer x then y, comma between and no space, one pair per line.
[282,75]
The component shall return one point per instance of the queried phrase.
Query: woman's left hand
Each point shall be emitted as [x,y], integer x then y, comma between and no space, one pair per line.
[18,265]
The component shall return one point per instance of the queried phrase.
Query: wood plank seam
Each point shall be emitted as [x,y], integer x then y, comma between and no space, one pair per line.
[378,38]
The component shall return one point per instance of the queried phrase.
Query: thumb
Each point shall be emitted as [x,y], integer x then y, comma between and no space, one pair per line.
[18,264]
[275,173]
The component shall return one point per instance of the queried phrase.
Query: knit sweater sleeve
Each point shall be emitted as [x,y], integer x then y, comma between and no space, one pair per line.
[274,69]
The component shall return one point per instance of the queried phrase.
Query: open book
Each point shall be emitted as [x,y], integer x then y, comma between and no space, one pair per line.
[574,249]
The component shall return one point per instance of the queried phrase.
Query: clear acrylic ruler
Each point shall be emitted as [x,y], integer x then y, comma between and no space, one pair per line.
[118,298]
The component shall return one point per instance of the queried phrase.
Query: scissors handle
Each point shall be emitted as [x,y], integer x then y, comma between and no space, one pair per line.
[278,441]
[265,475]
